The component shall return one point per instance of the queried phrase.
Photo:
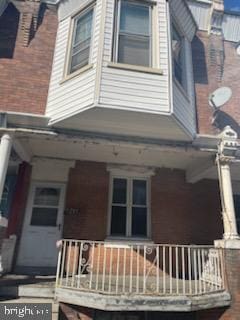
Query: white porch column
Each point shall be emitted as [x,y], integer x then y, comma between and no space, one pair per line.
[5,150]
[228,210]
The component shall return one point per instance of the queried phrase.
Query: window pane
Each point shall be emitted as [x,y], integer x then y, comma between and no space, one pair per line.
[134,50]
[44,217]
[81,42]
[83,28]
[80,59]
[119,191]
[118,222]
[177,51]
[47,196]
[139,192]
[134,18]
[139,222]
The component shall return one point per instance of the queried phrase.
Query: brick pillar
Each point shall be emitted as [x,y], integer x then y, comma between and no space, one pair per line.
[19,200]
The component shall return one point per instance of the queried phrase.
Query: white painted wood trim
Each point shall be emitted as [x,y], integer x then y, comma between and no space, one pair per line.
[136,68]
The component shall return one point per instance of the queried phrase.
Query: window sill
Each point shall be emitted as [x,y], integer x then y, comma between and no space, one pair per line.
[118,242]
[76,73]
[135,68]
[180,87]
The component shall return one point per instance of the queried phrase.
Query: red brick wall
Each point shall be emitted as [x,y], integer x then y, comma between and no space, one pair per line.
[25,71]
[88,191]
[181,213]
[206,81]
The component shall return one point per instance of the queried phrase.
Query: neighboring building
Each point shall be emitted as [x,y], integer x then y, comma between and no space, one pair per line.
[108,141]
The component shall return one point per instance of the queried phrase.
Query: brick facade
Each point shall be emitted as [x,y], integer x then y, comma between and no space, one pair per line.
[211,73]
[25,70]
[181,213]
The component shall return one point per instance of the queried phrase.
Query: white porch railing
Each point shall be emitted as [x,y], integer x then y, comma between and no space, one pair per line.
[142,269]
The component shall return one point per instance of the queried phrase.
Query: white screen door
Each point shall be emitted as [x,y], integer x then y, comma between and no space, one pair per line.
[42,225]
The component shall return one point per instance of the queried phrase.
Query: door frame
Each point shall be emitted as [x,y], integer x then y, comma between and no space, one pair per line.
[29,206]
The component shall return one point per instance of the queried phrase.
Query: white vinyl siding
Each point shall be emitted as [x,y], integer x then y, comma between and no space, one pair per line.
[75,94]
[132,90]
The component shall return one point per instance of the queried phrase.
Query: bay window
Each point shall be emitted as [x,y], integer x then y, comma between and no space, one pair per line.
[81,40]
[133,30]
[129,208]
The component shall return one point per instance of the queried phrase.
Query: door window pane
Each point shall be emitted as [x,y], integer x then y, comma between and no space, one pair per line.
[139,192]
[46,217]
[139,221]
[118,221]
[47,196]
[119,191]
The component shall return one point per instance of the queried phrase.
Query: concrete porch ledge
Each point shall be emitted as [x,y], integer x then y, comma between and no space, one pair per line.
[143,303]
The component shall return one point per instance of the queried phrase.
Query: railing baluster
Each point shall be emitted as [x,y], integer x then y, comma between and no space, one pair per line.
[131,270]
[203,264]
[199,270]
[190,270]
[195,270]
[170,268]
[74,263]
[124,269]
[117,276]
[110,271]
[183,270]
[104,268]
[68,263]
[58,266]
[80,265]
[177,269]
[98,265]
[137,286]
[158,268]
[92,246]
[144,269]
[164,269]
[63,261]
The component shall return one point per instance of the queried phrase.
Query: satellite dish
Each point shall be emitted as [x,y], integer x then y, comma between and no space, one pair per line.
[219,97]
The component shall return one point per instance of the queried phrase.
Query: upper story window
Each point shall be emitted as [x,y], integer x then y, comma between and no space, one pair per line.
[133,33]
[81,40]
[129,209]
[178,55]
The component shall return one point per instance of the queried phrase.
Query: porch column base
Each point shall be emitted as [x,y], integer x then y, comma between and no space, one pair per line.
[228,243]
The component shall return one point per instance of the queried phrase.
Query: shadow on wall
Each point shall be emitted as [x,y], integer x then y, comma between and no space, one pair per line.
[8,31]
[199,61]
[222,119]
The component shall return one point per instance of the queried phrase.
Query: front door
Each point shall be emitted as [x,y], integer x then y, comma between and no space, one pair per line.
[42,226]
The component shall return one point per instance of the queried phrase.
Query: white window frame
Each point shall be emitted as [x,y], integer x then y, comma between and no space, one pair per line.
[152,28]
[74,20]
[122,173]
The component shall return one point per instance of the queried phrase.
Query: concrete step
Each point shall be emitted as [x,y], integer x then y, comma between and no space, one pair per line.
[28,290]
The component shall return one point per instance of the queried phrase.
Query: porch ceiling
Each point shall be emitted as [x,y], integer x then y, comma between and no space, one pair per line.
[113,152]
[198,164]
